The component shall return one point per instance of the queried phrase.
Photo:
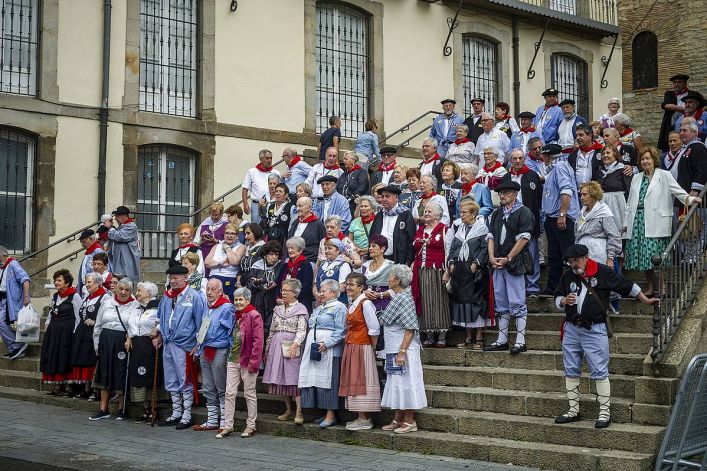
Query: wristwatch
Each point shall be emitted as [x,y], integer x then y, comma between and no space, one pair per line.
[403,350]
[563,215]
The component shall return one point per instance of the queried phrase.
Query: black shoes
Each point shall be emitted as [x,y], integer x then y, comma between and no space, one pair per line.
[567,419]
[516,349]
[184,425]
[602,423]
[496,347]
[169,422]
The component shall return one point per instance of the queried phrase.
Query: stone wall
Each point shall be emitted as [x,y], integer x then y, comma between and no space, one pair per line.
[679,27]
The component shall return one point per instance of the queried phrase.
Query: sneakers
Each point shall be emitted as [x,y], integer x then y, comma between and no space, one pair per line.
[100,415]
[406,428]
[359,424]
[19,353]
[7,355]
[120,415]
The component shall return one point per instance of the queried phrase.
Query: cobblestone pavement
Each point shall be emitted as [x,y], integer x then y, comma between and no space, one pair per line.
[48,438]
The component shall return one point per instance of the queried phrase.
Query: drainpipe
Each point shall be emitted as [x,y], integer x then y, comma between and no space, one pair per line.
[103,115]
[516,67]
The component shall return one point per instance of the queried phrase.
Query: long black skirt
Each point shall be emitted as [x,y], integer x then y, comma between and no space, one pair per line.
[112,361]
[55,358]
[141,371]
[82,351]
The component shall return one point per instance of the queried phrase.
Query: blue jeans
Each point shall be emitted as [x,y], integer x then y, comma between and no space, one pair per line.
[534,278]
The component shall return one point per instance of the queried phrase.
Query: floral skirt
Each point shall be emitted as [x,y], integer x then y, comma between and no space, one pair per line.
[640,249]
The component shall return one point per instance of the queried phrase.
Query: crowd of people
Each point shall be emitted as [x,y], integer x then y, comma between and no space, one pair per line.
[340,266]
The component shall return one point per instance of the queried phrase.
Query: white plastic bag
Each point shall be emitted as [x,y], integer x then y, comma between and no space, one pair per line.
[27,325]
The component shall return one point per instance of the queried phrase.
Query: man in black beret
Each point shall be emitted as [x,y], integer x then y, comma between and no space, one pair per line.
[396,223]
[474,122]
[510,228]
[694,108]
[92,246]
[386,167]
[567,130]
[520,138]
[673,106]
[583,293]
[548,117]
[124,247]
[332,203]
[444,126]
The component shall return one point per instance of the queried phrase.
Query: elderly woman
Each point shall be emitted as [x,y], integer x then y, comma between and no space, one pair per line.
[321,360]
[64,316]
[334,267]
[649,214]
[478,191]
[185,235]
[226,258]
[89,241]
[109,339]
[190,261]
[367,144]
[245,356]
[400,177]
[83,355]
[405,387]
[283,349]
[376,272]
[143,355]
[359,375]
[332,228]
[431,299]
[354,181]
[614,182]
[596,226]
[504,121]
[262,281]
[428,185]
[298,268]
[462,149]
[629,136]
[273,181]
[492,172]
[211,230]
[410,197]
[607,119]
[468,271]
[303,189]
[360,228]
[451,188]
[309,227]
[251,251]
[278,215]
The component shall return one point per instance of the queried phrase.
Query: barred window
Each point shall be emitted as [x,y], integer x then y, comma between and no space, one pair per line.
[18,47]
[168,56]
[342,67]
[564,6]
[569,77]
[479,72]
[645,60]
[16,190]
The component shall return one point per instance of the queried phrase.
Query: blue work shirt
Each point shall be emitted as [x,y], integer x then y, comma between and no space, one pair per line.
[547,122]
[219,333]
[331,316]
[560,180]
[180,325]
[437,131]
[300,172]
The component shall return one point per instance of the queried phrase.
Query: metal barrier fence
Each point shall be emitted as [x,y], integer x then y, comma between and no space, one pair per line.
[685,442]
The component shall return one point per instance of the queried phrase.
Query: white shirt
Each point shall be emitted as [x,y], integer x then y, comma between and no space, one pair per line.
[301,226]
[3,283]
[257,182]
[566,139]
[387,231]
[517,179]
[386,176]
[317,172]
[180,253]
[142,322]
[583,172]
[426,169]
[495,138]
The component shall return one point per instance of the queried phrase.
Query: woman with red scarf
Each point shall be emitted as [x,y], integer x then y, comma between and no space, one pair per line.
[89,242]
[504,121]
[185,235]
[300,269]
[492,172]
[428,184]
[55,361]
[629,136]
[474,189]
[462,149]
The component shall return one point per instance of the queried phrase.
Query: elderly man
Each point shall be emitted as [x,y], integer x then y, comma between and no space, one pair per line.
[444,126]
[296,173]
[531,197]
[694,107]
[535,160]
[567,129]
[690,168]
[509,232]
[124,248]
[354,182]
[585,160]
[473,122]
[256,183]
[629,136]
[492,137]
[386,168]
[668,158]
[673,106]
[309,227]
[330,166]
[628,154]
[14,295]
[583,293]
[521,138]
[213,344]
[431,161]
[560,210]
[180,312]
[548,117]
[89,242]
[396,223]
[332,203]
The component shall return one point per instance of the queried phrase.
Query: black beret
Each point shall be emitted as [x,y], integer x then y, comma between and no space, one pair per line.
[509,185]
[87,233]
[575,251]
[121,210]
[567,101]
[680,77]
[177,270]
[389,150]
[550,91]
[389,189]
[526,114]
[694,95]
[448,100]
[552,149]
[478,99]
[327,178]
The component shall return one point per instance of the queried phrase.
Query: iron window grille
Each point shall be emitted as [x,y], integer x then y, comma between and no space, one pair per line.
[342,63]
[564,6]
[645,60]
[479,72]
[569,77]
[17,152]
[168,56]
[18,47]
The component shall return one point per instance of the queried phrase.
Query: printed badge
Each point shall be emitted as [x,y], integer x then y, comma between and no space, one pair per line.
[141,371]
[593,281]
[573,287]
[121,355]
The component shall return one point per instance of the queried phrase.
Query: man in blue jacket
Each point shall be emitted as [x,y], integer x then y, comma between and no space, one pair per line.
[548,116]
[180,312]
[14,295]
[444,126]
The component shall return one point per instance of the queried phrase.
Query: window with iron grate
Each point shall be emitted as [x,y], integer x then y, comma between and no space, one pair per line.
[569,77]
[479,72]
[645,60]
[17,152]
[342,63]
[18,46]
[169,35]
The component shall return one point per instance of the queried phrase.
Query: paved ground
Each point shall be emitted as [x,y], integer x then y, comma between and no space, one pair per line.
[47,438]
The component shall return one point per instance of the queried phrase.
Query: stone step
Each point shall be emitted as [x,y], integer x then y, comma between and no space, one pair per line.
[622,323]
[449,436]
[21,379]
[626,305]
[29,364]
[620,363]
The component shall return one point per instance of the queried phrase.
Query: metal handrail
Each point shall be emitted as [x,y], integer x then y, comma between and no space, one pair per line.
[70,256]
[69,238]
[679,269]
[406,127]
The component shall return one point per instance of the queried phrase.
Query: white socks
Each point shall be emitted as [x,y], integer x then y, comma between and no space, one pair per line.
[604,399]
[503,321]
[176,406]
[188,400]
[572,386]
[520,327]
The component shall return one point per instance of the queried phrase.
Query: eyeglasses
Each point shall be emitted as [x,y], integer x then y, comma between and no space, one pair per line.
[230,233]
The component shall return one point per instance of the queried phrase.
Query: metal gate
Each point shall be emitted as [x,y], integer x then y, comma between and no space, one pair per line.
[479,72]
[18,46]
[569,77]
[16,189]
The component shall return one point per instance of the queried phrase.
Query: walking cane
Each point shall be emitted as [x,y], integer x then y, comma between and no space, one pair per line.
[125,390]
[154,388]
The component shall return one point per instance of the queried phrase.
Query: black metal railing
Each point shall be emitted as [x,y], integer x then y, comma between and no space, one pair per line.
[67,238]
[479,72]
[679,271]
[569,76]
[406,127]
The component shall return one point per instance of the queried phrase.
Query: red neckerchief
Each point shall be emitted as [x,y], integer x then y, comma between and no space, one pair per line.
[295,264]
[92,248]
[466,187]
[309,218]
[369,219]
[626,132]
[333,167]
[428,196]
[223,299]
[505,117]
[386,168]
[683,91]
[462,141]
[7,262]
[97,293]
[264,169]
[522,171]
[591,268]
[106,284]
[340,236]
[295,160]
[594,146]
[531,128]
[245,310]
[354,168]
[547,107]
[698,113]
[129,220]
[187,246]
[670,156]
[173,293]
[66,292]
[495,166]
[432,159]
[130,299]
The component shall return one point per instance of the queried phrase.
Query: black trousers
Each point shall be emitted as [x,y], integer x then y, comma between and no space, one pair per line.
[557,242]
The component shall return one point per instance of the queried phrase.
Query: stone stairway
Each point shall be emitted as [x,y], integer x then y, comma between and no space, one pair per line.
[486,405]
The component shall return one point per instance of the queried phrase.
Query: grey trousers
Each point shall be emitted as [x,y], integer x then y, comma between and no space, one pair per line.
[213,376]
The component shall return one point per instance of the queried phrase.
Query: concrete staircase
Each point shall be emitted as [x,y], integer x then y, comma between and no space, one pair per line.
[484,405]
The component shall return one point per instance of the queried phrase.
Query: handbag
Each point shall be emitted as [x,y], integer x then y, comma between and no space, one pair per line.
[314,353]
[285,345]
